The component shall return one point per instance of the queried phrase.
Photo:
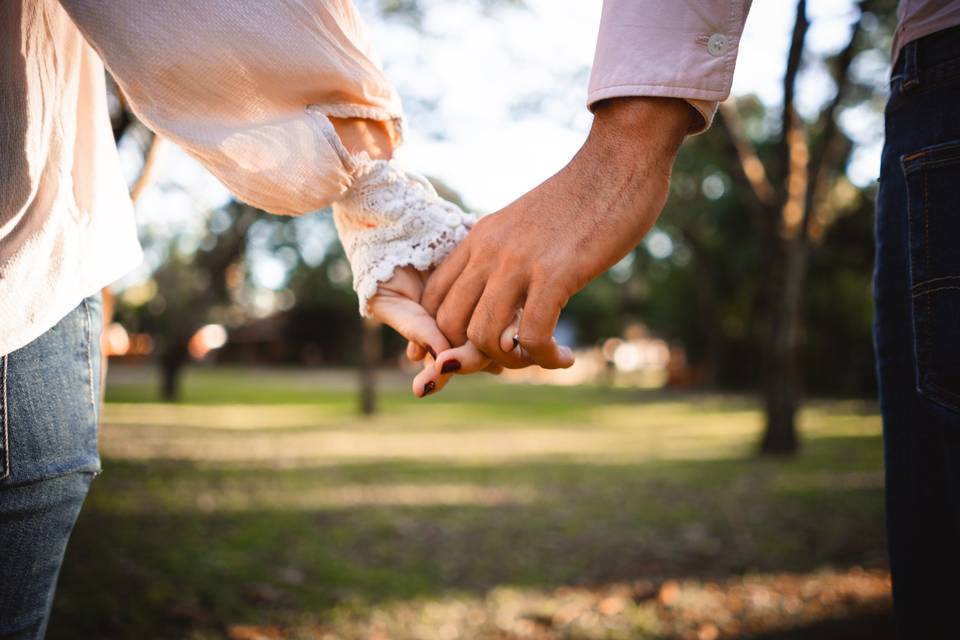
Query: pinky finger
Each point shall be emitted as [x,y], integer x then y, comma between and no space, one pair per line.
[463,359]
[429,381]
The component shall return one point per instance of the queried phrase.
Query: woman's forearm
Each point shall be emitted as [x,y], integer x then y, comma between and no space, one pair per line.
[377,137]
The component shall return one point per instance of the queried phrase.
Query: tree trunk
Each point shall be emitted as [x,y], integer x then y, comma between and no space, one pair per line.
[789,209]
[172,360]
[370,348]
[783,331]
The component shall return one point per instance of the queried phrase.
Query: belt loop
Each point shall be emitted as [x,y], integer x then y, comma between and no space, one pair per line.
[911,73]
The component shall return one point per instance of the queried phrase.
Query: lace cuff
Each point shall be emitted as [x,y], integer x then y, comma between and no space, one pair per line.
[390,218]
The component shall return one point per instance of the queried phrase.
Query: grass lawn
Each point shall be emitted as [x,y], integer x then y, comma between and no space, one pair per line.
[263,507]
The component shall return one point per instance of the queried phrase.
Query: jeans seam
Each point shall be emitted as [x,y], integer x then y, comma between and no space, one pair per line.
[911,259]
[89,353]
[6,422]
[928,291]
[928,331]
[932,280]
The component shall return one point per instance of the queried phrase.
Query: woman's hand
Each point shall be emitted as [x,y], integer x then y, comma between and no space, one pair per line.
[397,304]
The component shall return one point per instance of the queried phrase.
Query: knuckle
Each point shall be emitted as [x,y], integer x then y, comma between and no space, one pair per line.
[449,326]
[429,302]
[475,336]
[546,267]
[535,343]
[481,226]
[511,255]
[551,278]
[432,296]
[482,341]
[444,321]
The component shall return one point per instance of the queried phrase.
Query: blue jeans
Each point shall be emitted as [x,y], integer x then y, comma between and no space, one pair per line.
[49,397]
[917,333]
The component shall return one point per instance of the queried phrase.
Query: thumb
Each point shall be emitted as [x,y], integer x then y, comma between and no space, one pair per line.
[410,320]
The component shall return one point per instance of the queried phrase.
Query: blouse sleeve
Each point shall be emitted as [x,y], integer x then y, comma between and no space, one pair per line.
[247,88]
[232,82]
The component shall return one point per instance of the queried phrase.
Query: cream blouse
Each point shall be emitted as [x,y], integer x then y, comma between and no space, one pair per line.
[244,86]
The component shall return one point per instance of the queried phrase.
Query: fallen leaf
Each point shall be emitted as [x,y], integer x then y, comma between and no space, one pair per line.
[669,591]
[611,606]
[250,632]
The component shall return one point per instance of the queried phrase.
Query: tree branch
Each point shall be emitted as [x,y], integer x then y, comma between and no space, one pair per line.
[797,42]
[794,56]
[754,173]
[832,147]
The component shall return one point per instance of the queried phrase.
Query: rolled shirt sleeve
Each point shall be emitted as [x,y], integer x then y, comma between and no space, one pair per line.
[243,86]
[668,48]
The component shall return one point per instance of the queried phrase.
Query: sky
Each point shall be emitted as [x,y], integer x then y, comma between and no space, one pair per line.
[495,99]
[481,68]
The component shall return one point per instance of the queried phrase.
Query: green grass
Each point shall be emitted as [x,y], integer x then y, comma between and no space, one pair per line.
[263,500]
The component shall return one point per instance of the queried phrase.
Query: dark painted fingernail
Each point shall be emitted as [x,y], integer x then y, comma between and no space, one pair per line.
[428,388]
[431,351]
[450,365]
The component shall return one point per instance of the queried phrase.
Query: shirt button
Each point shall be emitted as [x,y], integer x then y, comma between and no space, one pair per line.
[452,220]
[717,44]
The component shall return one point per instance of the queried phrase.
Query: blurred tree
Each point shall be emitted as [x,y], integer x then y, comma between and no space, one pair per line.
[724,243]
[790,199]
[370,350]
[192,289]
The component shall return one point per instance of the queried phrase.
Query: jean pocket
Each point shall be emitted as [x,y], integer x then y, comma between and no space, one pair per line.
[50,394]
[933,193]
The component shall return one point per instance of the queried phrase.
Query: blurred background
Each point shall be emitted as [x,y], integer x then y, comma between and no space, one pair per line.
[710,468]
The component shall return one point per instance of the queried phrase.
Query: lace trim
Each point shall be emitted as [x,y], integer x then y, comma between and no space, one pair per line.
[390,218]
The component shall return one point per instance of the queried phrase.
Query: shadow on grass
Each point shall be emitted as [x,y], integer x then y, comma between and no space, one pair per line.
[874,625]
[174,549]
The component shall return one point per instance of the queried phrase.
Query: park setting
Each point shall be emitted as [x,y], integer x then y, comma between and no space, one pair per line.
[262,506]
[712,465]
[267,473]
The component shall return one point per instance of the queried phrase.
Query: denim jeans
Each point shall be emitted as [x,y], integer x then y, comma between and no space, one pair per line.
[917,333]
[49,397]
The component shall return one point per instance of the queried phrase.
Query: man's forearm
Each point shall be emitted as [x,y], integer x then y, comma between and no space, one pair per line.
[621,174]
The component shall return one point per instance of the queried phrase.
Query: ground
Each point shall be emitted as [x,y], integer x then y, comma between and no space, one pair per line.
[262,506]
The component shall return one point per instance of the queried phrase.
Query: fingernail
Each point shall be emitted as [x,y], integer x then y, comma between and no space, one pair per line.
[450,365]
[428,388]
[431,351]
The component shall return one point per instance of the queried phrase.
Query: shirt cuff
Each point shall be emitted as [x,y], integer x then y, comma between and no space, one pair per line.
[676,49]
[707,109]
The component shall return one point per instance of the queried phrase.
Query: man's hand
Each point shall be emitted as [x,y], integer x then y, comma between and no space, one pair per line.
[540,250]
